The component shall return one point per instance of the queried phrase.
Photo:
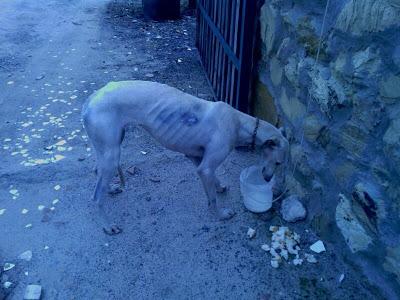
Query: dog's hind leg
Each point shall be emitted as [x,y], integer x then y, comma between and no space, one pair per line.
[107,166]
[106,142]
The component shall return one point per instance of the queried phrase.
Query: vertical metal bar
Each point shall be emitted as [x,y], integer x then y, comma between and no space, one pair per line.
[246,55]
[230,42]
[212,42]
[207,41]
[225,77]
[222,53]
[239,23]
[220,50]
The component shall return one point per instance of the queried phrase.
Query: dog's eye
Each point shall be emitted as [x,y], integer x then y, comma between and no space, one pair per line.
[270,144]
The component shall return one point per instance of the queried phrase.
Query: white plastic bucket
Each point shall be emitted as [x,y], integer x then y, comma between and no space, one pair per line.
[256,192]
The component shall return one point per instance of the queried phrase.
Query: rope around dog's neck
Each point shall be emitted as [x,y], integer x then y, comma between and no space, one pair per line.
[253,138]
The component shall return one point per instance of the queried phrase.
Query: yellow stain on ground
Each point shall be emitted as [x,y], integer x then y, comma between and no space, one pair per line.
[111,86]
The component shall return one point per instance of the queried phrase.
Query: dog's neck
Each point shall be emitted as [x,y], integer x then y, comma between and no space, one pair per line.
[247,131]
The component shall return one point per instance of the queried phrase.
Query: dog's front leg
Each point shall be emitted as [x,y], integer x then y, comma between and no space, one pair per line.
[212,158]
[220,188]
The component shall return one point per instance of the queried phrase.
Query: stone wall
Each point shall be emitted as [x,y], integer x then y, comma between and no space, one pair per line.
[347,105]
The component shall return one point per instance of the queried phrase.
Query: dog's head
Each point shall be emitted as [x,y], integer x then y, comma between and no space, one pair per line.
[274,150]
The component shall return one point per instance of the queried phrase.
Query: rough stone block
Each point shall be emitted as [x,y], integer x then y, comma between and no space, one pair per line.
[391,140]
[312,128]
[390,87]
[268,27]
[353,139]
[365,16]
[344,171]
[392,261]
[291,72]
[276,70]
[299,157]
[353,231]
[264,106]
[293,109]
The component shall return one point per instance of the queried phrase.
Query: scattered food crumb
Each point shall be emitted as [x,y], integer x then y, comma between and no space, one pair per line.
[274,264]
[318,247]
[251,233]
[310,258]
[265,247]
[297,261]
[285,243]
[341,278]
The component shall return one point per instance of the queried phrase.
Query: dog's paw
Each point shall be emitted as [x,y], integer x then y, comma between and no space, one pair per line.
[115,189]
[225,214]
[111,229]
[222,189]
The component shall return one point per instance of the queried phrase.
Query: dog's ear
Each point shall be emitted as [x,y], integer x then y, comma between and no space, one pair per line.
[283,132]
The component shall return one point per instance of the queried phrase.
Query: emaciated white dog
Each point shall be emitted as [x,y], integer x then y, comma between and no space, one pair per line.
[206,132]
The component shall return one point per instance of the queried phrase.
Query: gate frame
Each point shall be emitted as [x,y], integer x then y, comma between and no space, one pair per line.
[227,65]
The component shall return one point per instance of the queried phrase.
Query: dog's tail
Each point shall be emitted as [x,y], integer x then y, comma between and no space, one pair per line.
[84,112]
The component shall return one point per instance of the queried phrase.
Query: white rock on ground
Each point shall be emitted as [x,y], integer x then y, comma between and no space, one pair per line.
[33,292]
[292,210]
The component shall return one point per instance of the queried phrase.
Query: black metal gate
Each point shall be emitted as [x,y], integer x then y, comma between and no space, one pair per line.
[225,38]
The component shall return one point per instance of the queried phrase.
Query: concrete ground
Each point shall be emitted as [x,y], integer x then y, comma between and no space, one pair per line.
[53,54]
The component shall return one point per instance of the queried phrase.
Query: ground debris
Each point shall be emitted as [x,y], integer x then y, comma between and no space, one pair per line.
[155,179]
[8,266]
[251,233]
[27,255]
[33,292]
[132,170]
